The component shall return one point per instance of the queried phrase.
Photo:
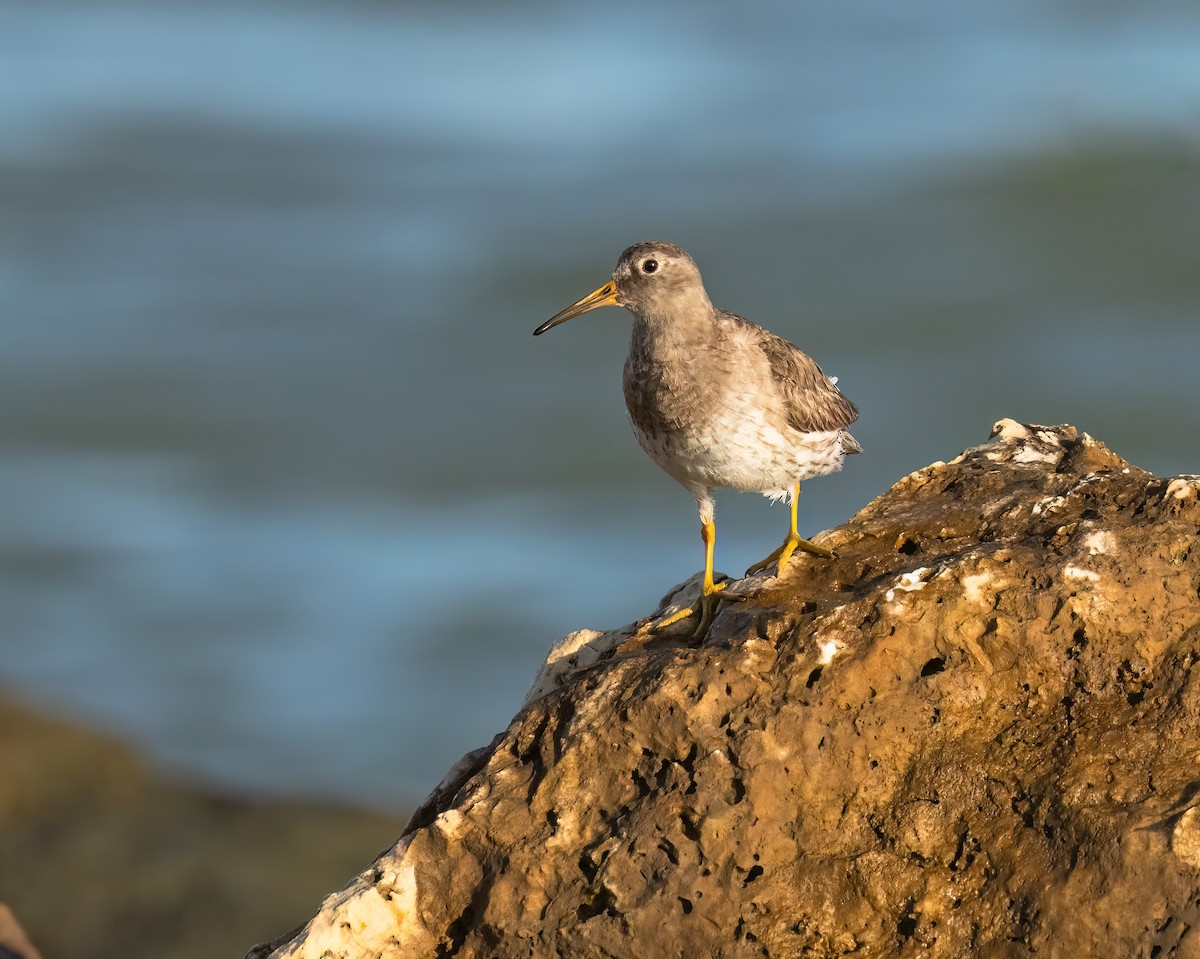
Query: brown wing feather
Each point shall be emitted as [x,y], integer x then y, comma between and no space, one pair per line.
[813,403]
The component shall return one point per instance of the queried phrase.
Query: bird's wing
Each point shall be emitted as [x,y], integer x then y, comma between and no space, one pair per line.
[813,402]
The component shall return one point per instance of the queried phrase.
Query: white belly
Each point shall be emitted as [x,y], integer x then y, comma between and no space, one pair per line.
[744,452]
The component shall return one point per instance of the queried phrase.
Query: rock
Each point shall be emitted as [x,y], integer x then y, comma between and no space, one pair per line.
[99,857]
[975,733]
[14,943]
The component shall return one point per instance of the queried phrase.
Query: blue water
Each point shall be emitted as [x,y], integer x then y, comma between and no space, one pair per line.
[295,504]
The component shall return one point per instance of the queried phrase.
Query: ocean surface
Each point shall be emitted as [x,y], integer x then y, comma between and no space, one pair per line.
[293,502]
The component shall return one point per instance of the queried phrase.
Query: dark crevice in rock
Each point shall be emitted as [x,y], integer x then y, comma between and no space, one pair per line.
[602,903]
[964,854]
[908,546]
[907,926]
[468,923]
[643,787]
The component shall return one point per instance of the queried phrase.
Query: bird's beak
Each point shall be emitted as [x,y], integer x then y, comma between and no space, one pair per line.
[605,296]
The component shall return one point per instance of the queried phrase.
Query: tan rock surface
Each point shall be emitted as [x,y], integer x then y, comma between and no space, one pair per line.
[975,733]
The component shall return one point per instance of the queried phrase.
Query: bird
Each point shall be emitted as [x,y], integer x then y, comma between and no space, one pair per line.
[717,401]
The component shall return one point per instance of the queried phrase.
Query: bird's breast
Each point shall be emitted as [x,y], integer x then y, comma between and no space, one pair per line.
[663,398]
[711,429]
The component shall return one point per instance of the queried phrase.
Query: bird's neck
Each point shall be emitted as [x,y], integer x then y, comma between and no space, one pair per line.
[683,328]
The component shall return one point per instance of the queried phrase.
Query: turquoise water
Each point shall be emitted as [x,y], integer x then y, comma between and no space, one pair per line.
[296,504]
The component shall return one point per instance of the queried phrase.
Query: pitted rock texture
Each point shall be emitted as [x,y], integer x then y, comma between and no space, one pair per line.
[974,733]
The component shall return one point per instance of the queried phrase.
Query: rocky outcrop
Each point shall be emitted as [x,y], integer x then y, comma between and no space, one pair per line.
[101,858]
[14,943]
[975,733]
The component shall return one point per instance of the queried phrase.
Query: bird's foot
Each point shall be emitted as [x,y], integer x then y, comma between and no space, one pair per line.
[704,607]
[784,553]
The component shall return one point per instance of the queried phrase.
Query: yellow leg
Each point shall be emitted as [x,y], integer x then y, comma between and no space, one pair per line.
[793,542]
[710,592]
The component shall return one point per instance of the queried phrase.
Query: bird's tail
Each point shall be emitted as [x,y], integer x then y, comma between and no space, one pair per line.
[849,444]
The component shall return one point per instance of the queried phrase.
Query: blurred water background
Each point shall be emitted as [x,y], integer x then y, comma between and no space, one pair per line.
[292,500]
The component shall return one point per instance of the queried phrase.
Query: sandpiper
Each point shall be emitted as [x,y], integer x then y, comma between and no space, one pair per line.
[717,401]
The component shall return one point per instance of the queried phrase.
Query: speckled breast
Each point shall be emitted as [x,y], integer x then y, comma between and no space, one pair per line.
[708,437]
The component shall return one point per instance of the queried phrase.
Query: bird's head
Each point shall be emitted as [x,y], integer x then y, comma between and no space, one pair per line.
[652,280]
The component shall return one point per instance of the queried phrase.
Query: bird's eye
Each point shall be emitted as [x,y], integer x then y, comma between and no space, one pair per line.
[650,266]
